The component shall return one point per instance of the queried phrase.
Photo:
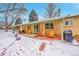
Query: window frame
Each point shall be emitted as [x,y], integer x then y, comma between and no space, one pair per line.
[49,25]
[69,23]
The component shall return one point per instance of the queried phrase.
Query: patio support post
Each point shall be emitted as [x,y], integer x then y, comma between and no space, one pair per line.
[33,30]
[62,29]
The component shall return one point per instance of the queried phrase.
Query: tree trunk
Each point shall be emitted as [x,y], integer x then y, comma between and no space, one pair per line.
[6,28]
[6,24]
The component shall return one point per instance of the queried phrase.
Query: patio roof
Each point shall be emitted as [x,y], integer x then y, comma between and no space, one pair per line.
[46,20]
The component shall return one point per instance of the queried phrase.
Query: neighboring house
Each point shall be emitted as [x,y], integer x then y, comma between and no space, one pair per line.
[52,27]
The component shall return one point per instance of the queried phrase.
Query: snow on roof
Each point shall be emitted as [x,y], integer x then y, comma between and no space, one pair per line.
[47,20]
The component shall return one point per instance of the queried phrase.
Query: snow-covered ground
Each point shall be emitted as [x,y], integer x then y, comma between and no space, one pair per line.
[30,46]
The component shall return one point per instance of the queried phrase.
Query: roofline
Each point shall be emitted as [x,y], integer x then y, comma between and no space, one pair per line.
[47,20]
[40,21]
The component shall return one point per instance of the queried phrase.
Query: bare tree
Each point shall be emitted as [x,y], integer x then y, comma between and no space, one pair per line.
[50,10]
[57,13]
[18,13]
[11,11]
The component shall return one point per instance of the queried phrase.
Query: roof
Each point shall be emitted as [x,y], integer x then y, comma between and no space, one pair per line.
[47,20]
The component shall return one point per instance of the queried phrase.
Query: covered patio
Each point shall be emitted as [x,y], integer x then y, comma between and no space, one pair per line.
[50,28]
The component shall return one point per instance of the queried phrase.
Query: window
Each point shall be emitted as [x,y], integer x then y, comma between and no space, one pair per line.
[49,25]
[36,28]
[68,23]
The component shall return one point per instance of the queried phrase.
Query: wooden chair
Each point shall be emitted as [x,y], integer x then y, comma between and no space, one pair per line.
[51,34]
[41,33]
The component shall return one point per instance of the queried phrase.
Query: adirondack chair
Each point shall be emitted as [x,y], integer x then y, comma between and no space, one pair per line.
[42,33]
[51,34]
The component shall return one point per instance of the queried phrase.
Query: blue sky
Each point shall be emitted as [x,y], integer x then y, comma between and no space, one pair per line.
[66,8]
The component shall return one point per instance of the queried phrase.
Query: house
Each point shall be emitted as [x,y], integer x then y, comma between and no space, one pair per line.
[51,27]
